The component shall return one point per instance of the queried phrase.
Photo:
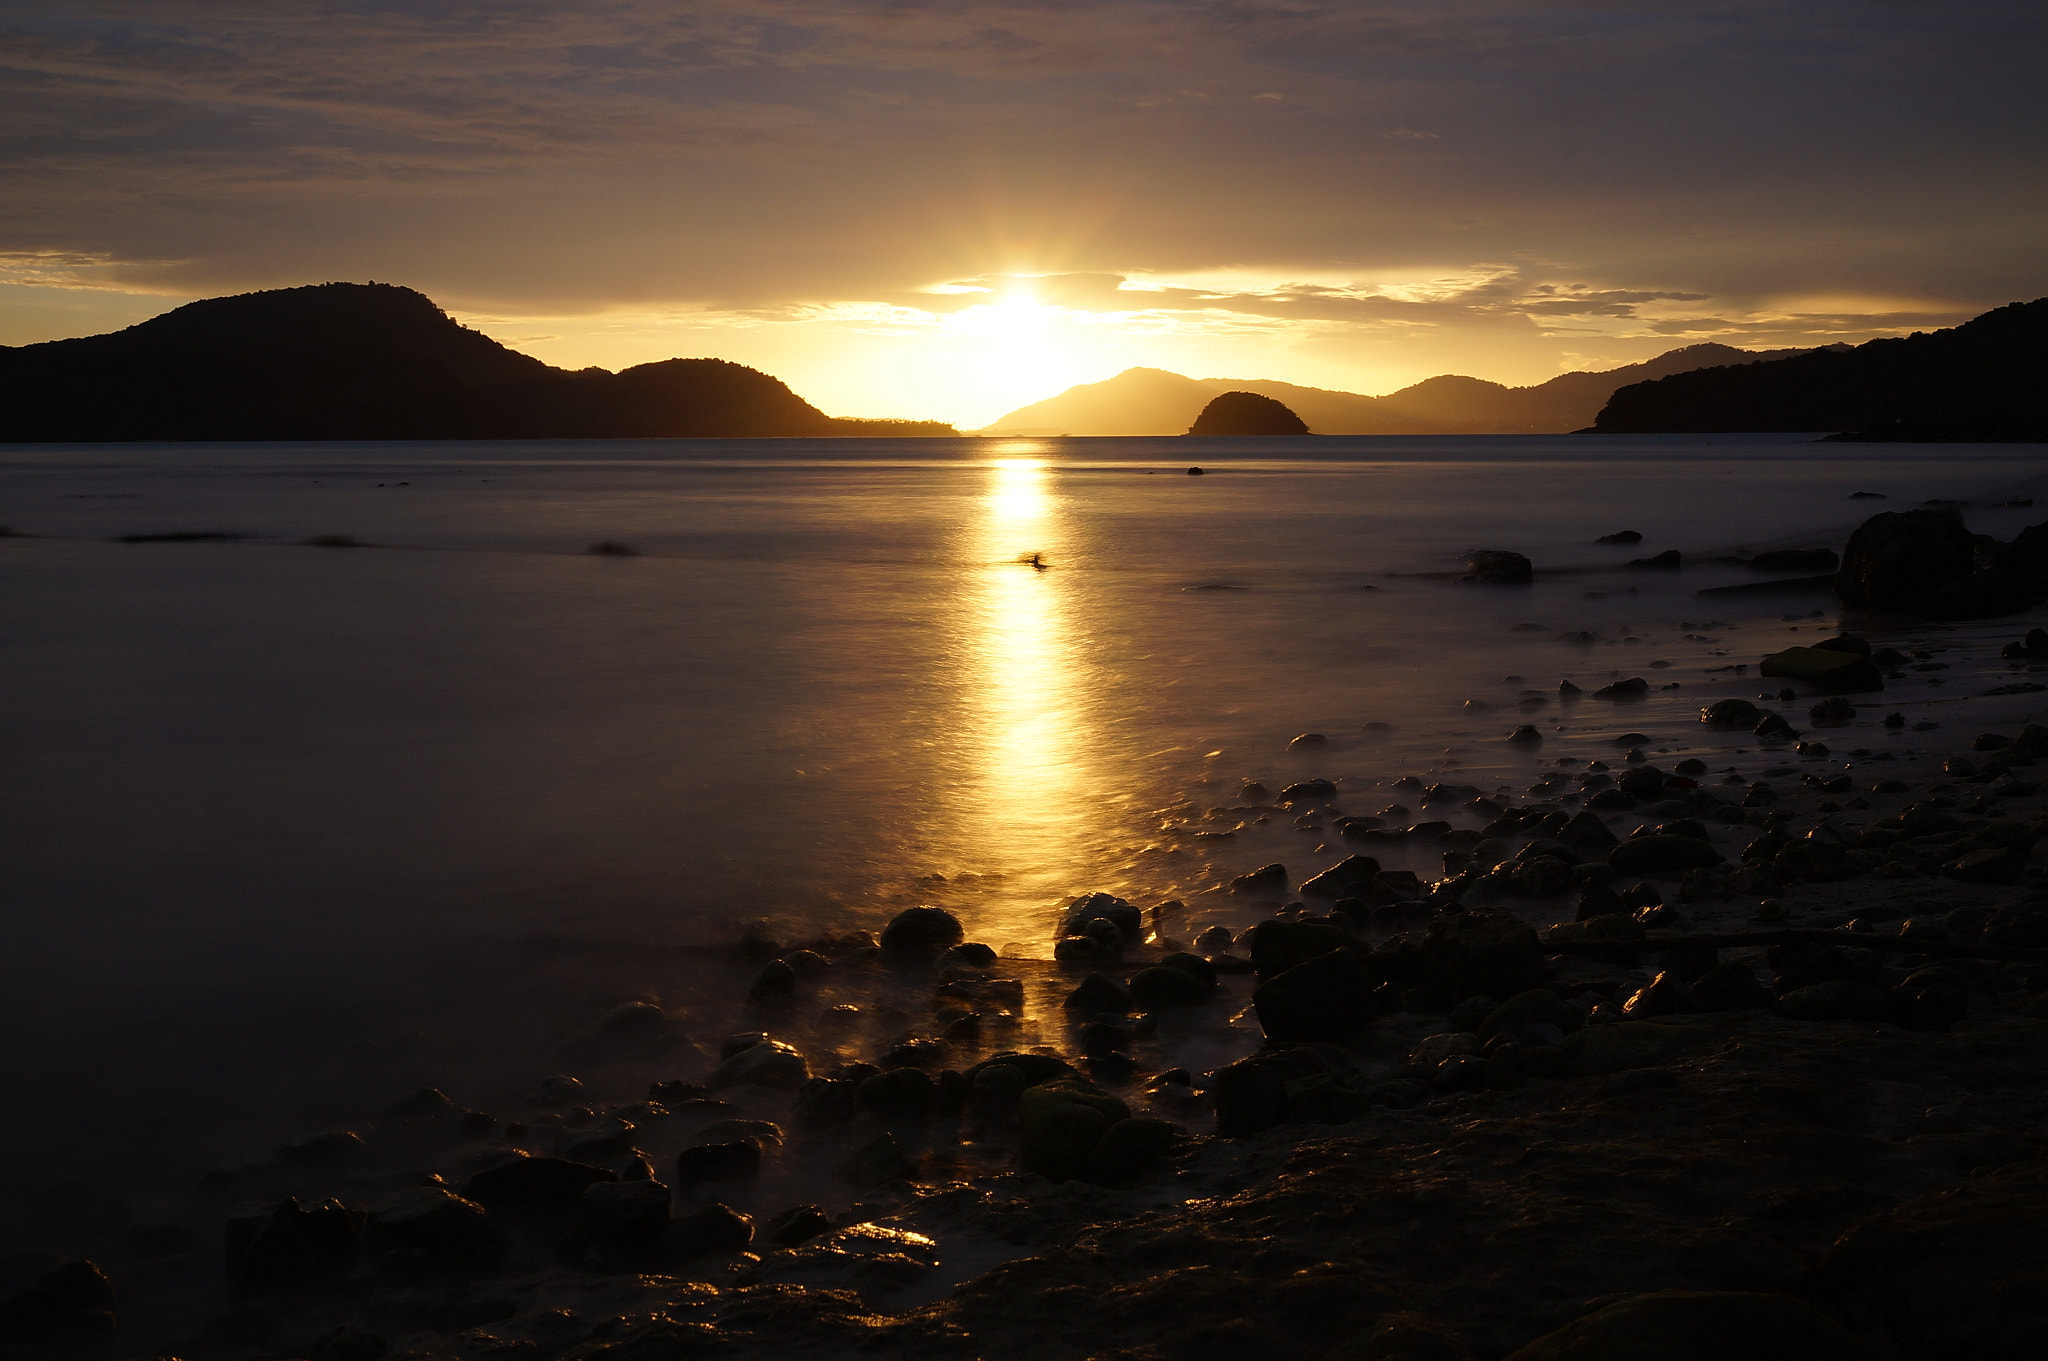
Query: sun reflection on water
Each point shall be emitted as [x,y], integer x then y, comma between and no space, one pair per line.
[1025,667]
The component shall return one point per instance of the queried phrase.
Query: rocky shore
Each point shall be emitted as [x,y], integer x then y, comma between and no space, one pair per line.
[1703,1061]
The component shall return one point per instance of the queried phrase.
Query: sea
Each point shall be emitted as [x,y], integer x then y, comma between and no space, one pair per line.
[336,770]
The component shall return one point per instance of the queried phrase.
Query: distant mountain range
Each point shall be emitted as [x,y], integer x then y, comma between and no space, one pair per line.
[1156,402]
[373,361]
[1984,380]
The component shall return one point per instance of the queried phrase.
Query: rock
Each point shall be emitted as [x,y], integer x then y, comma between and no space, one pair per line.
[905,1096]
[1243,414]
[1323,998]
[68,1309]
[1774,726]
[1804,560]
[348,1343]
[1307,739]
[2022,926]
[770,1063]
[1840,999]
[922,930]
[1468,953]
[1099,993]
[1434,1049]
[1537,1006]
[1635,687]
[796,1226]
[453,1234]
[1983,595]
[971,955]
[1587,832]
[1350,877]
[1267,880]
[824,1102]
[1308,791]
[1090,907]
[1731,986]
[736,1161]
[1831,712]
[626,1214]
[1670,560]
[1060,1122]
[1498,567]
[1127,1148]
[1824,668]
[711,1228]
[608,1139]
[1251,1097]
[879,1160]
[1847,642]
[1897,560]
[1962,1272]
[1525,736]
[765,1133]
[1665,995]
[1662,854]
[1624,931]
[552,1093]
[1162,989]
[1698,1325]
[532,1185]
[1277,946]
[1989,865]
[775,981]
[1193,965]
[1620,536]
[290,1242]
[1623,1045]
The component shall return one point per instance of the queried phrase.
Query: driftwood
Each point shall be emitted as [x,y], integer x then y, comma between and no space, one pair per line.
[1852,940]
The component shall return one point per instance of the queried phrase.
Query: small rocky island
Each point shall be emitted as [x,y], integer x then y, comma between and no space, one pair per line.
[1247,413]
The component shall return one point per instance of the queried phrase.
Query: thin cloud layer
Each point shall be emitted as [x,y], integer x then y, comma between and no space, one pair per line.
[1525,176]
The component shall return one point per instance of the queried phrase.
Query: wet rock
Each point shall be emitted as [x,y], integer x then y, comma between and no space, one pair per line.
[1823,668]
[348,1343]
[901,1096]
[1598,900]
[290,1242]
[1267,880]
[1251,1097]
[608,1139]
[1127,1148]
[1983,595]
[1099,993]
[736,1161]
[795,1226]
[1536,1007]
[775,982]
[1350,877]
[1804,560]
[555,1092]
[1635,687]
[1689,1325]
[1839,1000]
[633,1025]
[1498,567]
[1091,907]
[2022,926]
[451,1233]
[1663,996]
[1323,998]
[1473,953]
[1962,1272]
[1432,1050]
[624,1214]
[1623,1045]
[1988,865]
[1193,965]
[1831,712]
[971,955]
[1620,536]
[1895,561]
[1618,928]
[1059,1124]
[1804,964]
[1731,986]
[1670,560]
[768,1063]
[1277,946]
[824,1102]
[1163,989]
[879,1160]
[710,1228]
[1308,791]
[1525,736]
[922,930]
[1662,854]
[1587,832]
[67,1309]
[532,1185]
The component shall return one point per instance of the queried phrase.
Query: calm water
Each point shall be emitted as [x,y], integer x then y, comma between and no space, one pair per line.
[288,825]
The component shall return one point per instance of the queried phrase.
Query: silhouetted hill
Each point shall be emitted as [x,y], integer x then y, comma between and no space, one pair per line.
[1246,413]
[1984,380]
[1156,402]
[371,361]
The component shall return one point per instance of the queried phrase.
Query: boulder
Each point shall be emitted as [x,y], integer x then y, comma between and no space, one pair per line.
[795,1226]
[739,1160]
[453,1233]
[1983,595]
[1698,1325]
[1895,561]
[626,1214]
[1635,687]
[1587,832]
[69,1310]
[1161,989]
[1670,560]
[1731,986]
[769,1063]
[1471,953]
[290,1242]
[1537,1006]
[922,930]
[1059,1124]
[1840,999]
[1244,414]
[711,1228]
[879,1160]
[1265,881]
[1127,1148]
[901,1096]
[1498,567]
[1129,922]
[1962,1272]
[1824,668]
[1350,877]
[1804,560]
[1732,714]
[533,1184]
[1622,1045]
[1664,995]
[1099,993]
[1277,946]
[1251,1097]
[1324,998]
[1662,854]
[1308,791]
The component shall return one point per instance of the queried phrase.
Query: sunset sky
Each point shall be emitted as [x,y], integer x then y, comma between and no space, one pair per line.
[948,208]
